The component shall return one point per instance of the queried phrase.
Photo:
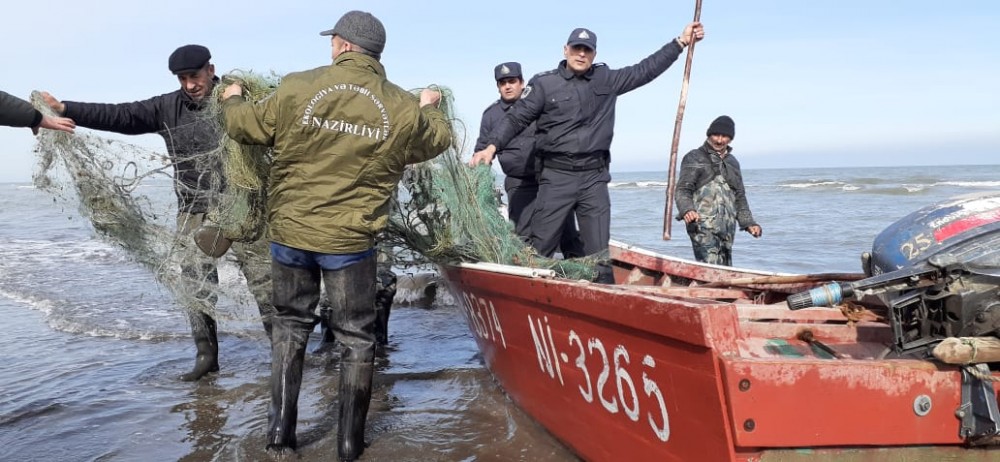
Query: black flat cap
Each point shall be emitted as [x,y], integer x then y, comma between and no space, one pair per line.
[188,58]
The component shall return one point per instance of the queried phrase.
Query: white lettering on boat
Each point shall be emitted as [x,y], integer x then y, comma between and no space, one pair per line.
[628,399]
[663,432]
[581,363]
[610,404]
[541,348]
[483,319]
[621,374]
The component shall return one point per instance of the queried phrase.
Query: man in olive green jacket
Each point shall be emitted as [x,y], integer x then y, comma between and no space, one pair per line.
[342,135]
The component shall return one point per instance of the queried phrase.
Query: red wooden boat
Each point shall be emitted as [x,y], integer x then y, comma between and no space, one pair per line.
[682,361]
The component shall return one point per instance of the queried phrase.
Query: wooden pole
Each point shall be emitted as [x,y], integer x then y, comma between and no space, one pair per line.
[968,350]
[791,279]
[671,173]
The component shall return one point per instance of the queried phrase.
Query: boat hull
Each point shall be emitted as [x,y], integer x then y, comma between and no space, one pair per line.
[651,372]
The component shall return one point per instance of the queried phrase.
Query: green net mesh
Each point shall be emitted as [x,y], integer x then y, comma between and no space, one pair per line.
[443,213]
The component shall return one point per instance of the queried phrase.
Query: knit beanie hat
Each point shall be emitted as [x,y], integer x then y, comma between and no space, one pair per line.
[722,125]
[360,28]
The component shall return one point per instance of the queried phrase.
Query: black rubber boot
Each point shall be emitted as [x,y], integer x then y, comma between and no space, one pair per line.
[328,339]
[296,293]
[355,395]
[605,274]
[351,292]
[384,293]
[288,350]
[203,329]
[267,326]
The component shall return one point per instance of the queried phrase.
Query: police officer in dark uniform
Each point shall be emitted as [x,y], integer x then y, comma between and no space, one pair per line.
[518,162]
[573,106]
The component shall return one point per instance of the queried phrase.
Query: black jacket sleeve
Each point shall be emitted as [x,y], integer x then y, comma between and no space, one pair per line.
[743,215]
[16,112]
[631,77]
[135,118]
[525,111]
[485,125]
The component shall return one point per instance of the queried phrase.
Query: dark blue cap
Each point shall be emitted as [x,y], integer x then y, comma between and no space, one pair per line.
[188,58]
[507,70]
[582,36]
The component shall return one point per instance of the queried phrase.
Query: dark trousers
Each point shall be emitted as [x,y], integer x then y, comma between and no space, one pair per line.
[521,196]
[201,278]
[564,194]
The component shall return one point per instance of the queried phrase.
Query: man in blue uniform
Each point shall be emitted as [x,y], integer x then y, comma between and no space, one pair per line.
[518,162]
[573,107]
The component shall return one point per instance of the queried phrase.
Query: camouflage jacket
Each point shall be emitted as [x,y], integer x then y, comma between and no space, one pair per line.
[698,168]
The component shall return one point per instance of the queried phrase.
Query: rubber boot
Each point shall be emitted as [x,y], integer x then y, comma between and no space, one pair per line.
[355,396]
[268,327]
[384,293]
[203,329]
[351,292]
[328,339]
[288,350]
[604,273]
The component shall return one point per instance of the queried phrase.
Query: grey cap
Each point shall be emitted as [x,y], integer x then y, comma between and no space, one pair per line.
[582,36]
[507,70]
[361,29]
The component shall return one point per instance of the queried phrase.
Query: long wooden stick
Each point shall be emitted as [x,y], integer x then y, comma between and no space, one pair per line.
[791,279]
[968,350]
[671,175]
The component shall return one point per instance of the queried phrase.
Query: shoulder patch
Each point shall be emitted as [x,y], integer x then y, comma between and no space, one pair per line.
[600,65]
[526,91]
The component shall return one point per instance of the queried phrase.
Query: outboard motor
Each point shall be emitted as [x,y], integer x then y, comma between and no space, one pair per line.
[937,270]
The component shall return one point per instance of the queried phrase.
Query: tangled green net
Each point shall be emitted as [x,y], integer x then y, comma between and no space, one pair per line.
[443,213]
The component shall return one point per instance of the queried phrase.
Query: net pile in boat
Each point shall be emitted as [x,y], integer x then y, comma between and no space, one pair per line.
[448,212]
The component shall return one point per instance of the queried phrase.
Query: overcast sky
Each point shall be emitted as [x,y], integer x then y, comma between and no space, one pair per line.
[809,83]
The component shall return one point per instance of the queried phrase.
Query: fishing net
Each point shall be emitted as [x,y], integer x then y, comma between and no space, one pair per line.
[443,213]
[448,212]
[127,193]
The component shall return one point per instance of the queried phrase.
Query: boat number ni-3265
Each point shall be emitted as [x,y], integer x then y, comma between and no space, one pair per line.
[595,383]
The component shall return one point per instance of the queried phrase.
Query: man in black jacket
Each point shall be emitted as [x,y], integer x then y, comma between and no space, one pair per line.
[711,198]
[573,107]
[16,112]
[518,162]
[193,140]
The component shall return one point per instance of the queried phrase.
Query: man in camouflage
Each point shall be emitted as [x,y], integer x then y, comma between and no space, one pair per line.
[711,198]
